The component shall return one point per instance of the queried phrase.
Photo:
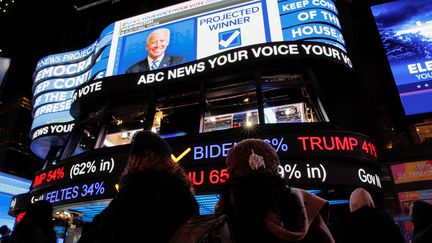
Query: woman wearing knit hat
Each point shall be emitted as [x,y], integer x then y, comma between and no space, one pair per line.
[261,206]
[155,196]
[368,223]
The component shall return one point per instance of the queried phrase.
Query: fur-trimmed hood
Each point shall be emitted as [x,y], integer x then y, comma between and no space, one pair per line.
[313,207]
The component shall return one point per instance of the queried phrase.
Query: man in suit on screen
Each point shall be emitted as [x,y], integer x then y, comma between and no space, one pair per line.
[156,44]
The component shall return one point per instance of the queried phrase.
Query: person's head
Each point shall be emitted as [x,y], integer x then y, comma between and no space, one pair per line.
[148,150]
[39,213]
[4,230]
[252,157]
[360,198]
[151,152]
[157,42]
[421,213]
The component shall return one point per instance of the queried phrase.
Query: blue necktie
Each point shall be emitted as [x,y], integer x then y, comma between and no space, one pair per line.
[154,65]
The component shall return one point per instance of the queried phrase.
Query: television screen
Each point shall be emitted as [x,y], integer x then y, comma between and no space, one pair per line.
[405,28]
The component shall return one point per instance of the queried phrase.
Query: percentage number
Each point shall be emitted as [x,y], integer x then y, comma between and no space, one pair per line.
[369,148]
[290,171]
[83,168]
[202,177]
[96,188]
[55,174]
[278,144]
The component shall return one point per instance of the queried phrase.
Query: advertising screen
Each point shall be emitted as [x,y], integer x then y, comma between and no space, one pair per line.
[412,171]
[405,27]
[184,33]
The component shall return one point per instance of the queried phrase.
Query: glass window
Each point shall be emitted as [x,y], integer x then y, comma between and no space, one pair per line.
[287,99]
[230,105]
[179,112]
[285,113]
[122,127]
[87,140]
[422,132]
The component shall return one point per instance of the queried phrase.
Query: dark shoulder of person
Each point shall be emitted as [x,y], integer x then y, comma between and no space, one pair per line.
[374,225]
[4,239]
[138,67]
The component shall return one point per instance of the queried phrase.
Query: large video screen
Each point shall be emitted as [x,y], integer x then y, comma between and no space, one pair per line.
[405,27]
[175,35]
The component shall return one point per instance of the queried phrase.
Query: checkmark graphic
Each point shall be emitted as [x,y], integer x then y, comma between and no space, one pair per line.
[177,159]
[229,38]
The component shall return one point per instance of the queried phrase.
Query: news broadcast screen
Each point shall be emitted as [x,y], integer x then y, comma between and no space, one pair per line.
[405,27]
[176,35]
[199,29]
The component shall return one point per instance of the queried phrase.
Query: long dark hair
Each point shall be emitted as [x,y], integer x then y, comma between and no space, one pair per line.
[151,161]
[248,200]
[39,215]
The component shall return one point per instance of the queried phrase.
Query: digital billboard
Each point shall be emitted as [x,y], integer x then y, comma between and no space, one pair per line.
[186,33]
[405,27]
[412,171]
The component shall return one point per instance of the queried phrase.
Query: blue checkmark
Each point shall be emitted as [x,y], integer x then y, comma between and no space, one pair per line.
[229,39]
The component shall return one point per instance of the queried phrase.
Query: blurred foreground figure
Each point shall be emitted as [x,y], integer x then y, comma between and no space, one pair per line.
[155,196]
[421,216]
[261,206]
[5,234]
[368,223]
[36,226]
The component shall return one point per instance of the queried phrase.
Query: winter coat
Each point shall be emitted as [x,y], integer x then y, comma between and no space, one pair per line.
[422,220]
[372,225]
[150,206]
[36,225]
[264,209]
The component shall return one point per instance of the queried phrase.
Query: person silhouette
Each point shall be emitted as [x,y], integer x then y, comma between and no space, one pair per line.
[261,206]
[421,217]
[36,226]
[155,195]
[156,45]
[5,234]
[368,223]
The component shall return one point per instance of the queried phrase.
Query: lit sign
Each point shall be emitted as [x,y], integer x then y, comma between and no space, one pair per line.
[326,144]
[203,35]
[77,192]
[55,80]
[412,171]
[99,165]
[310,158]
[310,172]
[406,198]
[407,39]
[97,89]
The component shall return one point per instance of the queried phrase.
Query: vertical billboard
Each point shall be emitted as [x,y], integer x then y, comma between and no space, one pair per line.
[174,35]
[405,27]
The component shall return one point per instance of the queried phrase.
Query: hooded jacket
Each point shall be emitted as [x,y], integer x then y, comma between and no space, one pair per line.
[263,209]
[368,223]
[150,206]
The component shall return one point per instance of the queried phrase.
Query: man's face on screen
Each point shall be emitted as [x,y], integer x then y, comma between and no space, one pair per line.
[157,43]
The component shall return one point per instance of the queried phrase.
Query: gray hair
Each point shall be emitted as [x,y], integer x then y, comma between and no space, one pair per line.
[164,30]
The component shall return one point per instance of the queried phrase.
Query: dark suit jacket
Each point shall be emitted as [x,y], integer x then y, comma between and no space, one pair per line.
[143,65]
